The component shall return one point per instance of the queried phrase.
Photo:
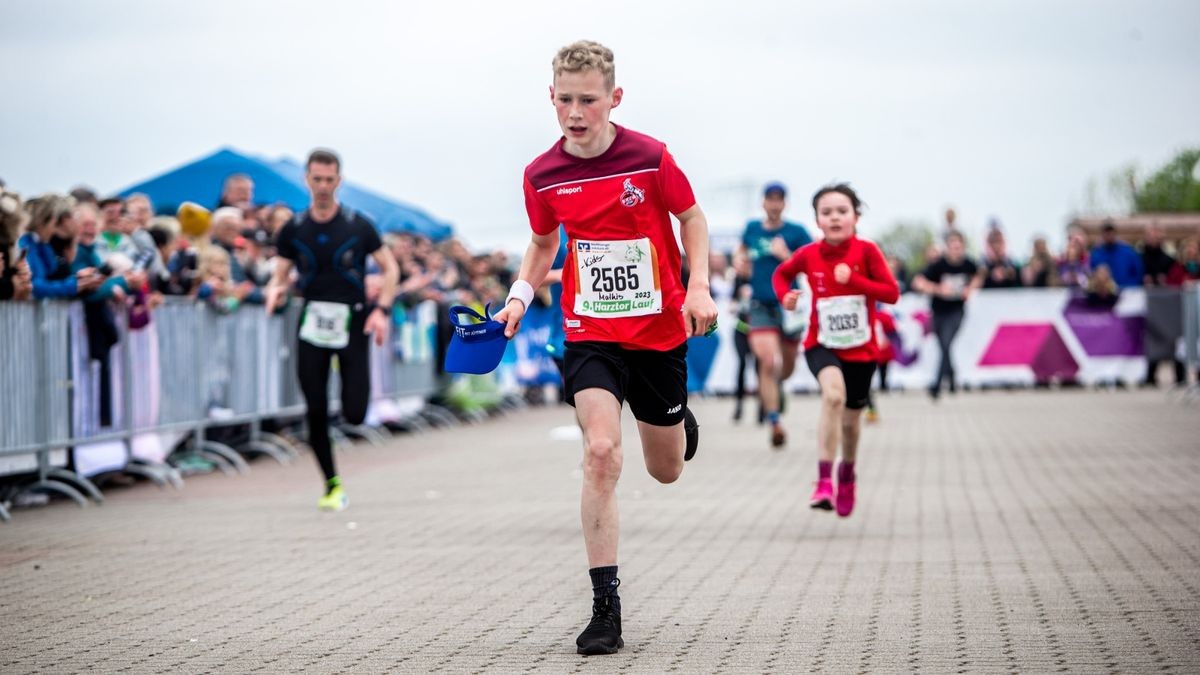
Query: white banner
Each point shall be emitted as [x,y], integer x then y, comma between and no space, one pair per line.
[1008,337]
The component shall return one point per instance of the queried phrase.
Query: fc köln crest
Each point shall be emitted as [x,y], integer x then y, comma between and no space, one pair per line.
[633,195]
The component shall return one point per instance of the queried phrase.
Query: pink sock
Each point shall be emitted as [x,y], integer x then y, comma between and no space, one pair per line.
[846,472]
[824,470]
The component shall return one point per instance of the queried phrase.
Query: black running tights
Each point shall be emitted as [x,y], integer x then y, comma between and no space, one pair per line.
[354,367]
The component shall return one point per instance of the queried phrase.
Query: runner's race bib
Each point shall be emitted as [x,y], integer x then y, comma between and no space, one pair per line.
[617,279]
[843,321]
[326,324]
[795,321]
[955,283]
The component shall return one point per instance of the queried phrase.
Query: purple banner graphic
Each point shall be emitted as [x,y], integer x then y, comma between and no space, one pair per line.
[1101,332]
[1037,345]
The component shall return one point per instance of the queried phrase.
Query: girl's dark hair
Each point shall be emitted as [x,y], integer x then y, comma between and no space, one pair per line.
[840,188]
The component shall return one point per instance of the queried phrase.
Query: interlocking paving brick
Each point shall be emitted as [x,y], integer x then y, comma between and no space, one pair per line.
[995,532]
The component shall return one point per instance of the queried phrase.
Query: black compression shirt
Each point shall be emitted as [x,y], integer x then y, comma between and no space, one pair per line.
[331,257]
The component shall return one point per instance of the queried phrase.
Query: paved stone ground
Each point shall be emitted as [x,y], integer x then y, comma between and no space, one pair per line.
[999,532]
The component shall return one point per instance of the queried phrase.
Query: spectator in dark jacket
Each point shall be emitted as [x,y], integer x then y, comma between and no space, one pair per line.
[120,281]
[1000,270]
[1156,264]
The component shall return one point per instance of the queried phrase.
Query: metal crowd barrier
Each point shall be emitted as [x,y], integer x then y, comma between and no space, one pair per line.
[190,370]
[35,415]
[401,369]
[1191,336]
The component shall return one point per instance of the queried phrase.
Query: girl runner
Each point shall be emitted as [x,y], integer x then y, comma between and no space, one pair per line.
[848,276]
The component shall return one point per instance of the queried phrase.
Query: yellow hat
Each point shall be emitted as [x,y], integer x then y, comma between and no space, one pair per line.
[194,220]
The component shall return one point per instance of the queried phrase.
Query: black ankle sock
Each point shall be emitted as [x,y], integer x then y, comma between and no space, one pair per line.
[605,583]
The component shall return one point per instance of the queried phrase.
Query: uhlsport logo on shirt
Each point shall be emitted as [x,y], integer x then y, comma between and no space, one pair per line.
[570,190]
[633,195]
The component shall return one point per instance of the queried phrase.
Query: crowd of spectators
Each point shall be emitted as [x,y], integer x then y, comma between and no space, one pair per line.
[122,260]
[79,246]
[116,255]
[1100,268]
[1097,270]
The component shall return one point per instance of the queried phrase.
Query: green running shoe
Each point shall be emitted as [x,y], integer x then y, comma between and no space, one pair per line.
[335,500]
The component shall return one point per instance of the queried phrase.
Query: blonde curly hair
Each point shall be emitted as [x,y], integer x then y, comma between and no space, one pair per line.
[46,211]
[586,55]
[209,260]
[12,217]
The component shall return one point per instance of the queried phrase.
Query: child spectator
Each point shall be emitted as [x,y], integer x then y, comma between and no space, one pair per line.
[216,283]
[1102,290]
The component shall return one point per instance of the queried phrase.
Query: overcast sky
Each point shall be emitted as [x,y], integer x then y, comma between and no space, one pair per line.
[1002,109]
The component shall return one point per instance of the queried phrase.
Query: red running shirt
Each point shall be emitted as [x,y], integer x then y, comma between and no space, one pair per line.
[870,279]
[626,194]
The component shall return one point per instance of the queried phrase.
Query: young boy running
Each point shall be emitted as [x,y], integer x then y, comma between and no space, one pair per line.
[626,313]
[848,276]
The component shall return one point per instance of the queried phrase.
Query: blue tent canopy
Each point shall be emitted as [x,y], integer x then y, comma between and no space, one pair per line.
[280,181]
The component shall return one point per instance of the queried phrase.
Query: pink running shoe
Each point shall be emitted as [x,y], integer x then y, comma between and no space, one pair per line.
[845,499]
[822,496]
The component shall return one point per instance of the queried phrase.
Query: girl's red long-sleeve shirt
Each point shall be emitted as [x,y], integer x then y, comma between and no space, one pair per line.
[846,325]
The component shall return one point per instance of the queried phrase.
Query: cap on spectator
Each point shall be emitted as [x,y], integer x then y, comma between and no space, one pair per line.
[775,188]
[475,347]
[110,200]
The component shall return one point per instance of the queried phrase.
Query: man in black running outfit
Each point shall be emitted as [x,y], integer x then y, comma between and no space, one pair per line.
[328,244]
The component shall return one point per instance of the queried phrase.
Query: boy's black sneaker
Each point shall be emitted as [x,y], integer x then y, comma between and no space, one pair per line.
[691,434]
[603,633]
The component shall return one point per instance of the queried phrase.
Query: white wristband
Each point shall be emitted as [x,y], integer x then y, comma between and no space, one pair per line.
[521,290]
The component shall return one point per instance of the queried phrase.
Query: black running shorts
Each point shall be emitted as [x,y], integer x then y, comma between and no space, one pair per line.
[653,382]
[857,374]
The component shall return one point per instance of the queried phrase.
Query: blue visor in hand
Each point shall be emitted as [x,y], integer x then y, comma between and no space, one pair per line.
[475,347]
